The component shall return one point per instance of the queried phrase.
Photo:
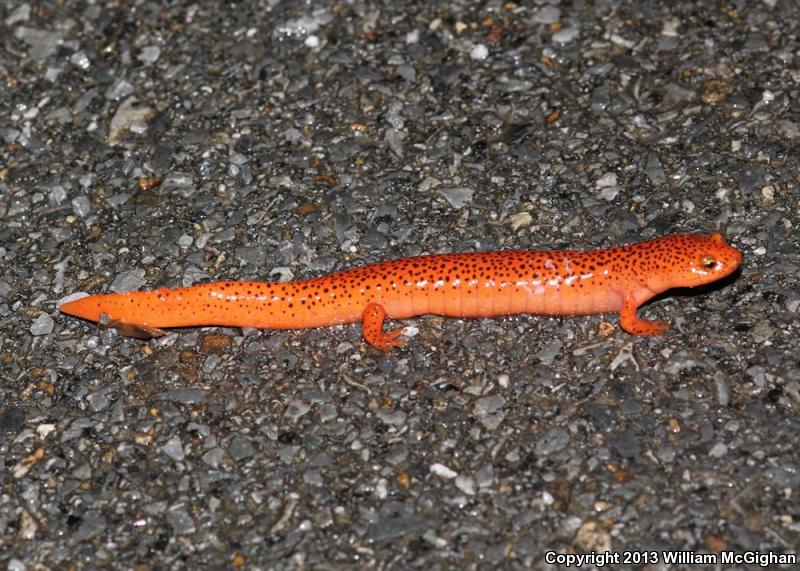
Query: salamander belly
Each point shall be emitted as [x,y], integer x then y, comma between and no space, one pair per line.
[492,299]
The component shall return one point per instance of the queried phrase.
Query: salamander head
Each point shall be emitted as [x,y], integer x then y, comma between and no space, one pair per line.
[690,260]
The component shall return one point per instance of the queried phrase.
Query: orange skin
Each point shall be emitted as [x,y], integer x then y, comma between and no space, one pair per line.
[480,284]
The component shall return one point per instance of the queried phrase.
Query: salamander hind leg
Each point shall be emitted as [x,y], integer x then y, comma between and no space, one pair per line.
[372,318]
[134,330]
[635,326]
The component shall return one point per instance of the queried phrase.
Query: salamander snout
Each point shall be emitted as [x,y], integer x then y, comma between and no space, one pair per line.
[688,260]
[705,259]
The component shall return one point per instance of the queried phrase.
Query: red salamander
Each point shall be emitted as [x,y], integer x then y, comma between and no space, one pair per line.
[480,284]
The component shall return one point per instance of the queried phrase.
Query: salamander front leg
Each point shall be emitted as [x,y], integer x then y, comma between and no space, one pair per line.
[635,326]
[372,321]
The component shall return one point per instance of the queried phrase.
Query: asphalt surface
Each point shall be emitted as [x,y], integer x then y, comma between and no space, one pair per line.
[148,146]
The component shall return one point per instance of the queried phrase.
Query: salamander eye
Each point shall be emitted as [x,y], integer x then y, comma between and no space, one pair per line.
[708,262]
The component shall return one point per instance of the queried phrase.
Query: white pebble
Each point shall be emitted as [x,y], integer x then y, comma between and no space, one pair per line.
[670,28]
[609,193]
[479,52]
[718,450]
[149,54]
[42,325]
[44,429]
[443,471]
[608,179]
[546,15]
[81,206]
[566,35]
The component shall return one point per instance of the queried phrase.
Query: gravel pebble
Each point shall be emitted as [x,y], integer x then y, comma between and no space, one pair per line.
[566,35]
[457,197]
[181,522]
[241,447]
[12,419]
[42,325]
[130,280]
[174,449]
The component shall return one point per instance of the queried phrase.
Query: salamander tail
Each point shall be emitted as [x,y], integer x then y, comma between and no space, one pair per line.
[89,308]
